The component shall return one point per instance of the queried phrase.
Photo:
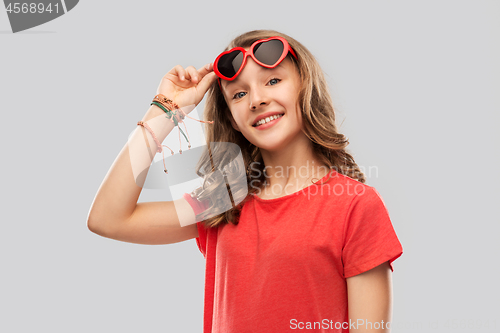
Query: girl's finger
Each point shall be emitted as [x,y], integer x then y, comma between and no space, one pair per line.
[207,81]
[179,72]
[192,74]
[205,69]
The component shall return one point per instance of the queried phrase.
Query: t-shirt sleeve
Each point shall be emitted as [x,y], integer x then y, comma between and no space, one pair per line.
[369,237]
[199,207]
[201,240]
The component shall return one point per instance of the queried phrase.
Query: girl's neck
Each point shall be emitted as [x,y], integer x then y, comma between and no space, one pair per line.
[291,169]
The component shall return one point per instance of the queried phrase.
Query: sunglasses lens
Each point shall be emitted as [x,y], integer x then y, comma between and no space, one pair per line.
[230,63]
[269,52]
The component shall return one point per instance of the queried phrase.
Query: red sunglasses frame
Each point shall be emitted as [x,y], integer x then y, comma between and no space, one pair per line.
[286,48]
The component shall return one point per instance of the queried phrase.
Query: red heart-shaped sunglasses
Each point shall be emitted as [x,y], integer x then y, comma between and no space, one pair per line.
[266,52]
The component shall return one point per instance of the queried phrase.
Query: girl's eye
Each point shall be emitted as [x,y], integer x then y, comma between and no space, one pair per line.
[238,95]
[274,81]
[241,94]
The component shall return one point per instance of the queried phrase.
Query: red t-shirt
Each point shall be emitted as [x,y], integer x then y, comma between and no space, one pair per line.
[283,268]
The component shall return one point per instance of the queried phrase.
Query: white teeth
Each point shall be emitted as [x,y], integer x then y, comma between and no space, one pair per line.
[267,119]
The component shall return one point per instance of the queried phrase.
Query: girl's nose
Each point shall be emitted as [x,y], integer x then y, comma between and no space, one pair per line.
[258,98]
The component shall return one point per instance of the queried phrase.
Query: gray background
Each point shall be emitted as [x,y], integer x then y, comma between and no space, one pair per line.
[415,84]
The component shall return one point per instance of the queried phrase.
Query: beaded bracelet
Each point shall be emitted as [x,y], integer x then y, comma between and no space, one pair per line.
[172,116]
[158,144]
[176,117]
[166,105]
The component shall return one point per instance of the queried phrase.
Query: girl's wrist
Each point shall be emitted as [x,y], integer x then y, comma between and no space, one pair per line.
[153,112]
[158,122]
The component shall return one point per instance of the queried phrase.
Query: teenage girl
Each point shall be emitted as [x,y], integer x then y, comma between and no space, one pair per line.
[310,246]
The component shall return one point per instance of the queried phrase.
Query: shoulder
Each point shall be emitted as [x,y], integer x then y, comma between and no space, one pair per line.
[344,188]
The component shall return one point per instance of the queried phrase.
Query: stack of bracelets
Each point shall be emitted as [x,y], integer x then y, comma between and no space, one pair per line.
[176,116]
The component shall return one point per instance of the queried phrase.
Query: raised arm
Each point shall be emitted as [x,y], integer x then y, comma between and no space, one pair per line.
[115,213]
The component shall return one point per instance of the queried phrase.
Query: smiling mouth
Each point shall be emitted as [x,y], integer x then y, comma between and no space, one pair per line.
[268,119]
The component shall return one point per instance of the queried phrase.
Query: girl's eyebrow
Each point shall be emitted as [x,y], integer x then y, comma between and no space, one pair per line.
[230,82]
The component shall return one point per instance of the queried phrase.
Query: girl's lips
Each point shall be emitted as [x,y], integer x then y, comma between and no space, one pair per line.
[269,124]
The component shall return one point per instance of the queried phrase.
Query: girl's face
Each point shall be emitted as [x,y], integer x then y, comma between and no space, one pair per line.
[261,91]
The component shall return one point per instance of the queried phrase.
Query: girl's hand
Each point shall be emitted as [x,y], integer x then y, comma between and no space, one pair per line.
[186,87]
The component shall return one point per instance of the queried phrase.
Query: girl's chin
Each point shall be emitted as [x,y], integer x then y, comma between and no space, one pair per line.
[271,146]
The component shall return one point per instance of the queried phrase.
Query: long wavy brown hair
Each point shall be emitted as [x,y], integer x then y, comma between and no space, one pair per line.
[319,126]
